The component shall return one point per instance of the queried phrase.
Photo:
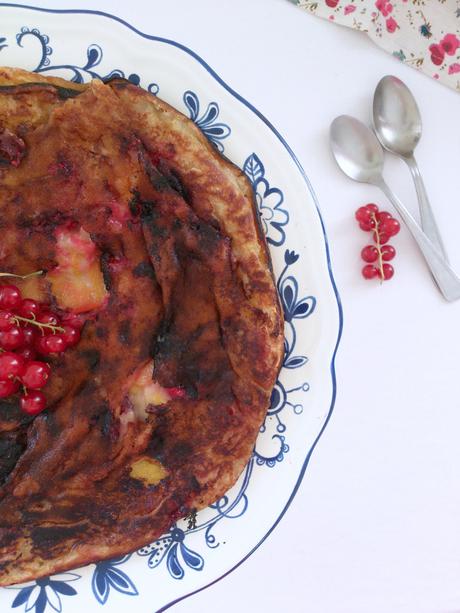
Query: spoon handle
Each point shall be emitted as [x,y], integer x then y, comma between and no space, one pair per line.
[427,218]
[445,277]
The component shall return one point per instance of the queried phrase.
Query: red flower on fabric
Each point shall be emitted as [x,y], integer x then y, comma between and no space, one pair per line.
[437,54]
[391,25]
[332,3]
[384,7]
[350,8]
[454,68]
[450,44]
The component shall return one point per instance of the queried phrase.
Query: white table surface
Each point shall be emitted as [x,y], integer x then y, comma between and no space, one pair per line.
[375,526]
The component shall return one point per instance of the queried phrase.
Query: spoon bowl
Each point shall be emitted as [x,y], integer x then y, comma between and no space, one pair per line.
[356,149]
[398,125]
[396,116]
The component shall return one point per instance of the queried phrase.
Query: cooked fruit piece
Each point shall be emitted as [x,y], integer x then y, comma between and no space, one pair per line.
[144,392]
[148,470]
[77,282]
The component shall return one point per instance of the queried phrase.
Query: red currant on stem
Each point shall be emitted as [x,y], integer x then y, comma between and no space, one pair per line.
[366,226]
[12,338]
[27,353]
[33,402]
[11,365]
[389,226]
[8,388]
[28,308]
[372,208]
[35,375]
[362,214]
[53,343]
[6,320]
[381,237]
[383,226]
[70,335]
[46,321]
[387,271]
[10,297]
[388,253]
[47,318]
[378,240]
[370,253]
[370,272]
[383,215]
[71,319]
[29,335]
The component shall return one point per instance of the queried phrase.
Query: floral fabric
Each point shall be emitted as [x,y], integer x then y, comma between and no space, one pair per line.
[422,33]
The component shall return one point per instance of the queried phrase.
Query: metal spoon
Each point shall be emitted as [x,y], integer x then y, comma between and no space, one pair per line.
[398,125]
[360,156]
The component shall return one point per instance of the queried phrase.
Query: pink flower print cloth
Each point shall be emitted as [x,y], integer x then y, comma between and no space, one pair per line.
[422,33]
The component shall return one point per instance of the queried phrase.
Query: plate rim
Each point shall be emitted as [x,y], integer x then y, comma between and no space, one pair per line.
[335,290]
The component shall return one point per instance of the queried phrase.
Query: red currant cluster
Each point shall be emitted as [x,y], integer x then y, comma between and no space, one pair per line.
[383,226]
[30,330]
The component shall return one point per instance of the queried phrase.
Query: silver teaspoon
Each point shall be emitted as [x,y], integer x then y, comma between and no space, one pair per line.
[360,156]
[398,125]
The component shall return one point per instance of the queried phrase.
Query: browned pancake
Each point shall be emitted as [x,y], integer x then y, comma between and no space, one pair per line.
[178,298]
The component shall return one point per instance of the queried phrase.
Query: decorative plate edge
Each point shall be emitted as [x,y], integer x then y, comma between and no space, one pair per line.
[291,153]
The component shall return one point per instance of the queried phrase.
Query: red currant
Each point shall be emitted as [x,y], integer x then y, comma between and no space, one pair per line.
[36,375]
[372,208]
[362,214]
[27,353]
[366,226]
[388,252]
[5,320]
[46,317]
[11,365]
[33,402]
[53,343]
[176,392]
[390,227]
[30,334]
[383,237]
[28,308]
[370,253]
[388,271]
[72,319]
[8,388]
[383,216]
[71,336]
[12,338]
[370,272]
[10,297]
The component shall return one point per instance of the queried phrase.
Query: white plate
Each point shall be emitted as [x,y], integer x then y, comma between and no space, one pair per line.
[81,45]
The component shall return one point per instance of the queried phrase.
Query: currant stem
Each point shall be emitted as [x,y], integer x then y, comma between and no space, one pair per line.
[41,325]
[37,273]
[378,245]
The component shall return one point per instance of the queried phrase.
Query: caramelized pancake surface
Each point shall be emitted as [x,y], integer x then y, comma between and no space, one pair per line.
[153,238]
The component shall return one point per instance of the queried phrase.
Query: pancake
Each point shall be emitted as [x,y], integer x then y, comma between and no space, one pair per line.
[152,237]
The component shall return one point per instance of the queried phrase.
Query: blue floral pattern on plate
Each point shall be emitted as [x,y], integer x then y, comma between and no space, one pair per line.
[43,594]
[216,132]
[169,547]
[77,74]
[269,200]
[107,575]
